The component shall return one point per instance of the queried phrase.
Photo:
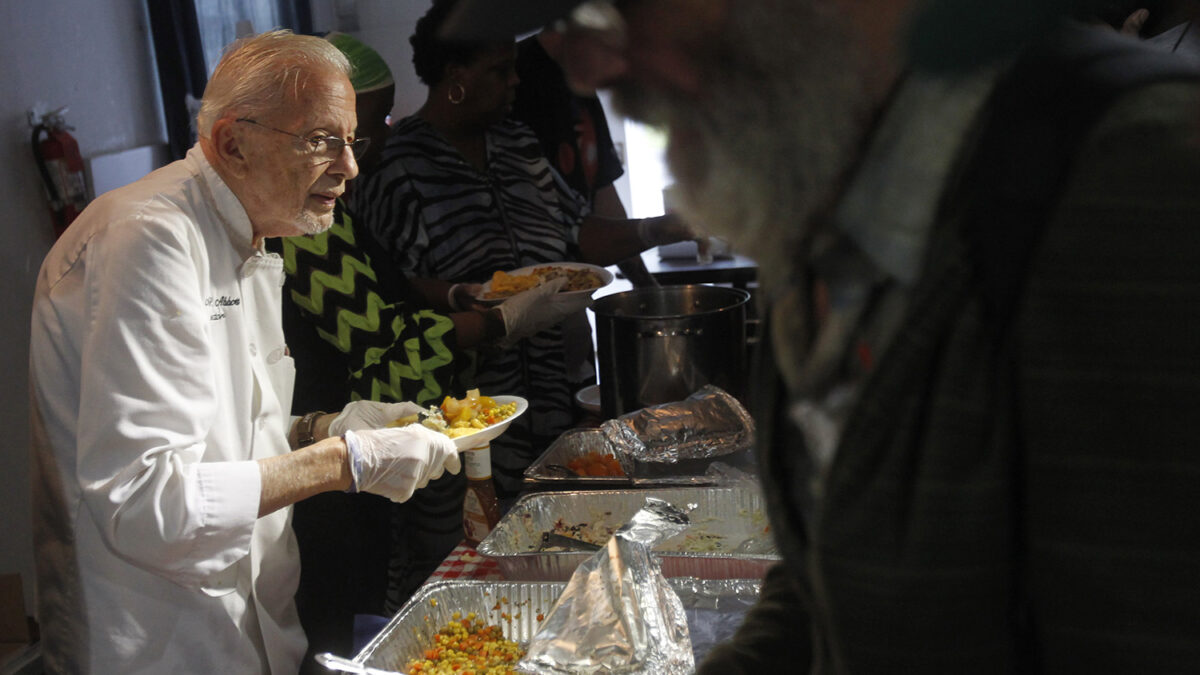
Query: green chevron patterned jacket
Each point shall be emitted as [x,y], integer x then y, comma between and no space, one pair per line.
[351,329]
[355,334]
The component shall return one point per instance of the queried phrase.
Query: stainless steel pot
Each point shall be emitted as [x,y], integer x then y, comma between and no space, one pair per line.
[657,345]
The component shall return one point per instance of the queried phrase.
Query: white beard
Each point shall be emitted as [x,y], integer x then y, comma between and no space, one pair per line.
[784,108]
[308,223]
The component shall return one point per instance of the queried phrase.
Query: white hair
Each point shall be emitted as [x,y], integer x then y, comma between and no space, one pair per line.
[264,72]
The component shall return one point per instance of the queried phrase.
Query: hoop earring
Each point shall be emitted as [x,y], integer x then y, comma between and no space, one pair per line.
[462,94]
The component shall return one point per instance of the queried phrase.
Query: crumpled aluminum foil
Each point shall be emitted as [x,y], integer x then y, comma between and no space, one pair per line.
[709,423]
[618,614]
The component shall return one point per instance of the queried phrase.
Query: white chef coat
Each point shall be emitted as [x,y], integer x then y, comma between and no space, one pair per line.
[159,374]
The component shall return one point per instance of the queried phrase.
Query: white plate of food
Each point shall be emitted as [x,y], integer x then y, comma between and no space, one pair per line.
[581,278]
[465,428]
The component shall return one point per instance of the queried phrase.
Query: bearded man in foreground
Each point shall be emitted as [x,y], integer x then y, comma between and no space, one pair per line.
[976,413]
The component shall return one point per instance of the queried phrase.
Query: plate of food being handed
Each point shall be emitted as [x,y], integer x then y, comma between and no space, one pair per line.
[581,278]
[470,422]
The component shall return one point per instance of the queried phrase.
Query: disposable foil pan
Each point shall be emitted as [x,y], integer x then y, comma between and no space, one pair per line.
[707,424]
[725,522]
[552,466]
[714,608]
[551,470]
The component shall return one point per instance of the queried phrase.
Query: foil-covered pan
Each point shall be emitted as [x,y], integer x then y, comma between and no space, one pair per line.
[707,424]
[553,470]
[618,613]
[554,466]
[728,538]
[714,608]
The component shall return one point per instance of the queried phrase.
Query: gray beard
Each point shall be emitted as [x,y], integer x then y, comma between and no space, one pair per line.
[308,224]
[762,153]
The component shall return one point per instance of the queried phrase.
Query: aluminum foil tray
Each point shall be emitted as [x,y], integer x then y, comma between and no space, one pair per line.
[550,471]
[551,467]
[725,519]
[707,424]
[714,609]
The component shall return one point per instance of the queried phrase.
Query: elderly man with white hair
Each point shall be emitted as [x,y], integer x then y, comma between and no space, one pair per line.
[166,460]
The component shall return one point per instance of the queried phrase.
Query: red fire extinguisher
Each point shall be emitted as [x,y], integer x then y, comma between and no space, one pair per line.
[61,166]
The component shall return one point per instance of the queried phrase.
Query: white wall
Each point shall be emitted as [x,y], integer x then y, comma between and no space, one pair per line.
[93,56]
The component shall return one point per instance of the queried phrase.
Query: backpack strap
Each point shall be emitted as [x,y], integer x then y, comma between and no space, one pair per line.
[1042,110]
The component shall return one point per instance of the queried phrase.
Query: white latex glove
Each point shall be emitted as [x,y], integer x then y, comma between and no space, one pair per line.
[539,308]
[370,415]
[397,461]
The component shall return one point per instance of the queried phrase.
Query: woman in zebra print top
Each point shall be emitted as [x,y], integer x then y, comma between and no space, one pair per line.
[460,192]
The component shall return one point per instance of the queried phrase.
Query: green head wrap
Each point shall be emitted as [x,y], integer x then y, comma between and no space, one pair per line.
[369,70]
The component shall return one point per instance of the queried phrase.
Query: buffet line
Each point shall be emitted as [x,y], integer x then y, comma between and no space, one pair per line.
[638,545]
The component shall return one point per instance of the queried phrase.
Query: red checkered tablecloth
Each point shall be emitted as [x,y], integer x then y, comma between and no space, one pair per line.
[464,563]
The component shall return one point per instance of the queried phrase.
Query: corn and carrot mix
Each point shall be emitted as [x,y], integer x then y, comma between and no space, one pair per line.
[468,646]
[461,417]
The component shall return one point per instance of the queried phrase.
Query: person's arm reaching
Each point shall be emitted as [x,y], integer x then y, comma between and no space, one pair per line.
[604,241]
[355,449]
[287,479]
[391,462]
[607,204]
[518,317]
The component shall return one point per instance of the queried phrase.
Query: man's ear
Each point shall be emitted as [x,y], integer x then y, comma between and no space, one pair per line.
[228,142]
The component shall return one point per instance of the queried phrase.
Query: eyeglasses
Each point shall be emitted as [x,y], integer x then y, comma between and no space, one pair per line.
[324,147]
